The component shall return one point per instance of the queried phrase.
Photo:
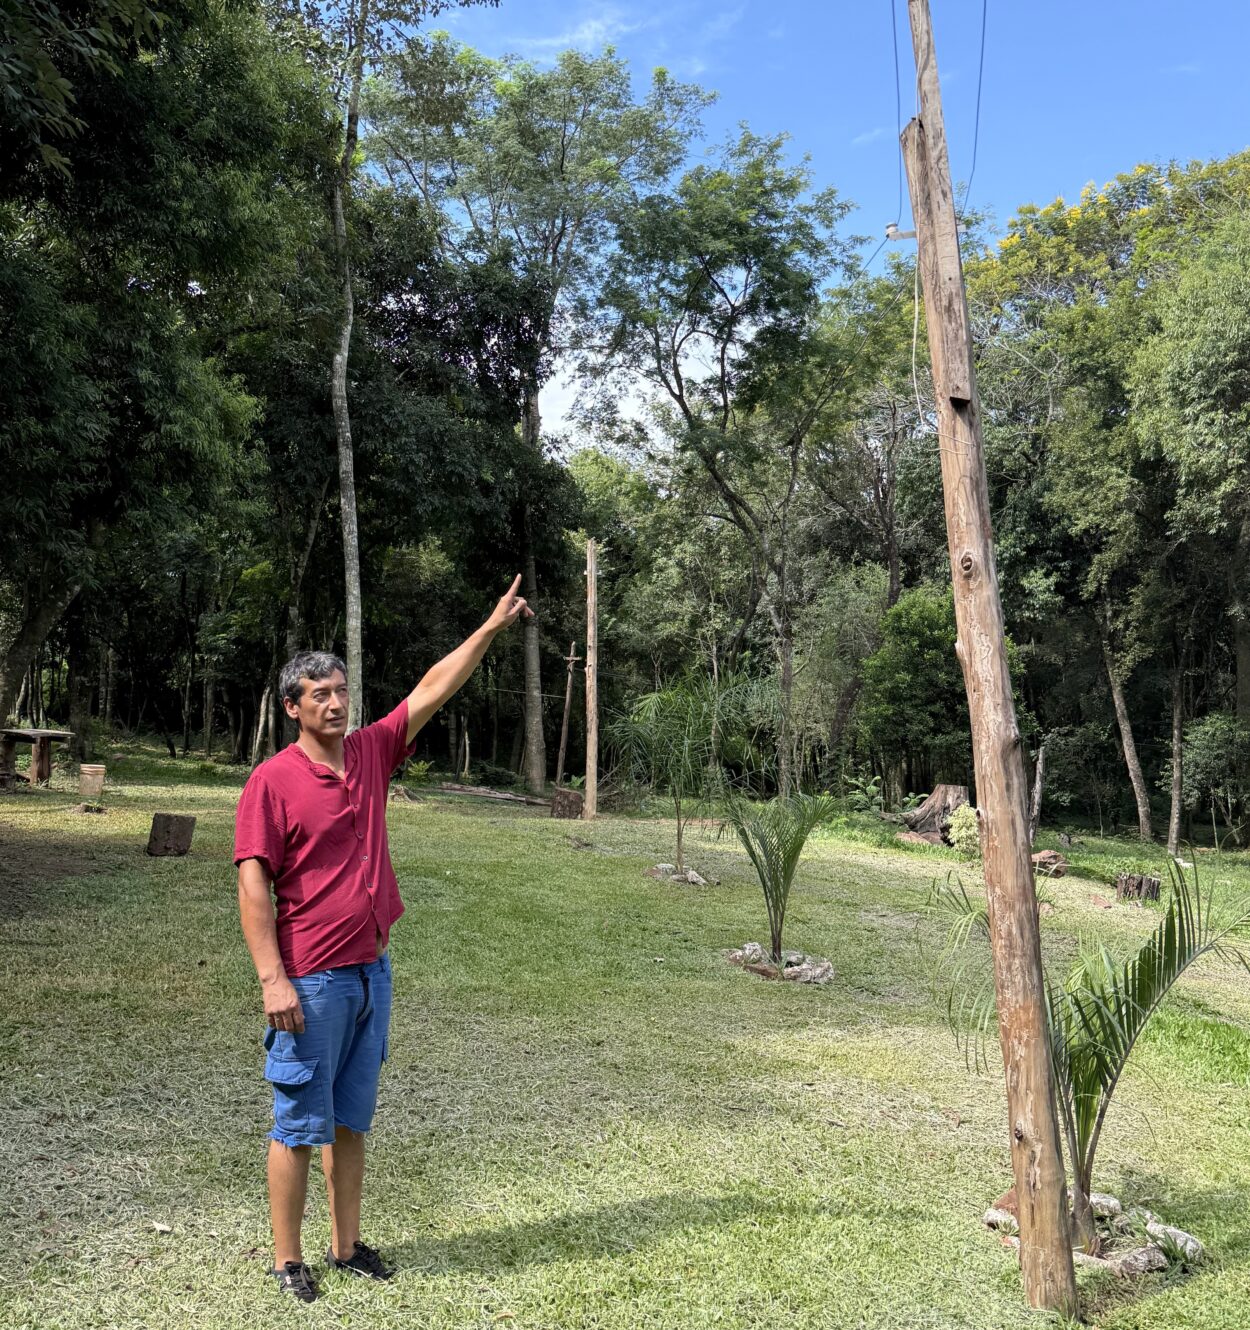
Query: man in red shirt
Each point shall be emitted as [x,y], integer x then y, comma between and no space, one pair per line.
[311,825]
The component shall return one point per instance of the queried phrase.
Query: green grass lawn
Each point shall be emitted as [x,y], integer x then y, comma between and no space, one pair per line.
[589,1119]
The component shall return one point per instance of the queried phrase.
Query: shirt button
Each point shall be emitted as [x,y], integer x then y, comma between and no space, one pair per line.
[364,858]
[360,835]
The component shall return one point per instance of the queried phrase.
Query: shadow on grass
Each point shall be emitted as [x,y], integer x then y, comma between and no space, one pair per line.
[616,1230]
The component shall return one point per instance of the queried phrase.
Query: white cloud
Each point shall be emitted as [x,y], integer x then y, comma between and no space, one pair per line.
[1189,67]
[869,136]
[597,28]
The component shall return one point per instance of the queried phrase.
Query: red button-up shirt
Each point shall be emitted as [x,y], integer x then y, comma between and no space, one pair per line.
[322,839]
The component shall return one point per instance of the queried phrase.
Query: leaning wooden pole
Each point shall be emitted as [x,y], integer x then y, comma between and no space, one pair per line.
[571,659]
[998,759]
[591,804]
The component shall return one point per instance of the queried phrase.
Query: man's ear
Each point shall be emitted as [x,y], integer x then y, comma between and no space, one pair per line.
[291,708]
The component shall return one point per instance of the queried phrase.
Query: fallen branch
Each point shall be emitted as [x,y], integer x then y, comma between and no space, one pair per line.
[485,792]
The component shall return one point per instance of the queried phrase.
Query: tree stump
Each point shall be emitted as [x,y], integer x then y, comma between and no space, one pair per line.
[90,782]
[1050,863]
[1137,887]
[171,834]
[567,804]
[932,815]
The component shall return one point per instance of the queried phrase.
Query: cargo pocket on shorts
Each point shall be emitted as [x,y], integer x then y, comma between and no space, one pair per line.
[299,1107]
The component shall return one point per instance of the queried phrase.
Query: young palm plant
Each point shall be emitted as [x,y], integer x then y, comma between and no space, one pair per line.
[774,835]
[672,738]
[1098,1013]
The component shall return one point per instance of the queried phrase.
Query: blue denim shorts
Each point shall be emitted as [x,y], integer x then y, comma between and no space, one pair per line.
[327,1077]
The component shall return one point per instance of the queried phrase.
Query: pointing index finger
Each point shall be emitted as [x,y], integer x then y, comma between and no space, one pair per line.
[516,582]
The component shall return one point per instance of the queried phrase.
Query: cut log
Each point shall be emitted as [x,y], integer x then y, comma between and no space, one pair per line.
[935,812]
[1049,863]
[920,837]
[485,792]
[567,803]
[1137,887]
[171,834]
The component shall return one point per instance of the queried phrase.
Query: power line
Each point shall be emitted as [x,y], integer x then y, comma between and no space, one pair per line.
[976,132]
[898,109]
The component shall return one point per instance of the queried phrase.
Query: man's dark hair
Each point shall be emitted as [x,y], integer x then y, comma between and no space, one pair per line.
[307,665]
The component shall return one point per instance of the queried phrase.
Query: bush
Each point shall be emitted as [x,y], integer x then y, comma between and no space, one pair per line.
[965,832]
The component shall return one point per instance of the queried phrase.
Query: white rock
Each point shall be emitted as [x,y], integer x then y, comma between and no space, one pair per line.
[1003,1219]
[1142,1215]
[1186,1242]
[792,958]
[1104,1206]
[666,868]
[1140,1261]
[1090,1262]
[752,953]
[695,880]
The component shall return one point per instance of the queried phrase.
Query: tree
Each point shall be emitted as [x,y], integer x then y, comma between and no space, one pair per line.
[710,303]
[773,835]
[540,162]
[118,413]
[674,739]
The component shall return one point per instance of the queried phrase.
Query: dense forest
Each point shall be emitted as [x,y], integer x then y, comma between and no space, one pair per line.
[280,287]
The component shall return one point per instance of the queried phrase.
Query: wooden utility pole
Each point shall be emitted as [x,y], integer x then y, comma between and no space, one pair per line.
[572,658]
[998,759]
[591,804]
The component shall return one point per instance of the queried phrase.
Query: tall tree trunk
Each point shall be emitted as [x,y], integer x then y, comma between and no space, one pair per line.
[263,714]
[1035,797]
[111,688]
[785,652]
[41,612]
[1131,760]
[1178,735]
[208,709]
[535,746]
[338,382]
[453,740]
[1241,618]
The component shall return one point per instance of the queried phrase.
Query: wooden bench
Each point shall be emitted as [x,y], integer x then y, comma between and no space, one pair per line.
[41,742]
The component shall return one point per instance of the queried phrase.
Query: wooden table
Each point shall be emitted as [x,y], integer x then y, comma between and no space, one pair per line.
[41,742]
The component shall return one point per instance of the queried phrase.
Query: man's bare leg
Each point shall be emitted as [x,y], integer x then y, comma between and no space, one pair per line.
[344,1166]
[288,1190]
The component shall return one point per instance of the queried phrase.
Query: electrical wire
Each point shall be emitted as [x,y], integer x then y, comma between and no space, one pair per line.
[976,131]
[898,110]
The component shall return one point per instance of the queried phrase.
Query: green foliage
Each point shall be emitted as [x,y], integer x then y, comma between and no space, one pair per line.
[864,794]
[674,738]
[773,835]
[913,696]
[1216,770]
[965,832]
[1097,1015]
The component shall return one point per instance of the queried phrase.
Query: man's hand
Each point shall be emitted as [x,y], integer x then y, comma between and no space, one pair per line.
[282,1006]
[511,607]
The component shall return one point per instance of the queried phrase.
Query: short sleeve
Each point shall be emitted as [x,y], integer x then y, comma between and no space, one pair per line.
[386,740]
[260,824]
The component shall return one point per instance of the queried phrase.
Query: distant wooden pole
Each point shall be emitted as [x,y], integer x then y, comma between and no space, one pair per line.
[572,658]
[1045,1235]
[592,681]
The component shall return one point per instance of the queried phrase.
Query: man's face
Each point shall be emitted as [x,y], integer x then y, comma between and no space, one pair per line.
[322,706]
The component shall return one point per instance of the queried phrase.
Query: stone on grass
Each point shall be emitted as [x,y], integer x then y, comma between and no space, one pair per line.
[1090,1262]
[1007,1201]
[1184,1242]
[1140,1261]
[171,834]
[920,837]
[1104,1206]
[1050,863]
[813,970]
[1001,1219]
[753,954]
[789,958]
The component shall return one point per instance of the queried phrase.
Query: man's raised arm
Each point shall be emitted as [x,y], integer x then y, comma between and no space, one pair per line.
[444,680]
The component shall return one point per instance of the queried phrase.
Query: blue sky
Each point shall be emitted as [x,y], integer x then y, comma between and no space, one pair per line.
[1073,91]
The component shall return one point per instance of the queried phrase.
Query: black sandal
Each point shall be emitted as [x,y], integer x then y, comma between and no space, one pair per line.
[364,1262]
[296,1279]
